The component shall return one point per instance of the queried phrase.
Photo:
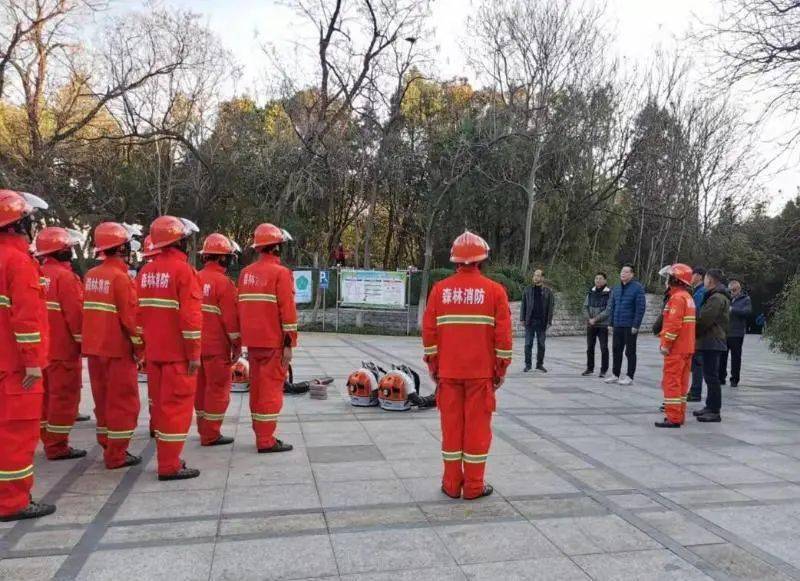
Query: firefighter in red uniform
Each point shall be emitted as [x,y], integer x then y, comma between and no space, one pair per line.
[466,335]
[170,302]
[268,319]
[112,343]
[62,377]
[677,344]
[222,341]
[23,354]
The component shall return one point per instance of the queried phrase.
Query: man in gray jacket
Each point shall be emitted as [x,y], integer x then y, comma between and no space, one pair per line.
[596,310]
[537,313]
[740,310]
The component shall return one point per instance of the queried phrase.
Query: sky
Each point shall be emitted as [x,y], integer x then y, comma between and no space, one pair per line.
[641,27]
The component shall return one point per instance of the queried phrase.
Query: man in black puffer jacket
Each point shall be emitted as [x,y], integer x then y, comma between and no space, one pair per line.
[595,307]
[712,334]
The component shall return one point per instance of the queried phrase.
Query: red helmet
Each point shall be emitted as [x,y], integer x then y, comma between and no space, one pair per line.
[14,206]
[679,271]
[219,244]
[469,248]
[147,250]
[166,230]
[53,239]
[109,235]
[269,235]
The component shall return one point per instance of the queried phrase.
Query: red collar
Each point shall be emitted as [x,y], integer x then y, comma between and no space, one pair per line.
[171,253]
[53,261]
[116,262]
[270,258]
[17,241]
[214,267]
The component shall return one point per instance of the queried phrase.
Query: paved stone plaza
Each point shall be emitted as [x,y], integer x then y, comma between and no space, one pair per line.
[586,487]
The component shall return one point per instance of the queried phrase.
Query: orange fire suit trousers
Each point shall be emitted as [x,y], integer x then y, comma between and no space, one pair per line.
[465,407]
[675,383]
[173,391]
[266,393]
[116,404]
[213,396]
[20,413]
[62,396]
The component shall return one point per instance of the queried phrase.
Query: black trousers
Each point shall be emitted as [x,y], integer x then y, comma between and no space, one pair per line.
[624,340]
[697,375]
[711,361]
[539,332]
[593,335]
[735,349]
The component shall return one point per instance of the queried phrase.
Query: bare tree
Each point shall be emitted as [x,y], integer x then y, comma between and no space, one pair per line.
[530,51]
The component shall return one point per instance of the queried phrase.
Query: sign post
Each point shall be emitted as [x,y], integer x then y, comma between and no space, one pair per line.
[324,283]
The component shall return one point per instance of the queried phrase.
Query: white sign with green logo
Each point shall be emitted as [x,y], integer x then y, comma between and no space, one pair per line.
[373,288]
[302,286]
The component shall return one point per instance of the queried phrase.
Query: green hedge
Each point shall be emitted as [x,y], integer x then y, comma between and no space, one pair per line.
[783,328]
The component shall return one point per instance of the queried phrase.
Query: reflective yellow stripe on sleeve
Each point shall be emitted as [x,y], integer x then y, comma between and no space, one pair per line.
[98,306]
[257,298]
[503,353]
[53,306]
[289,326]
[430,349]
[5,302]
[191,335]
[159,303]
[211,309]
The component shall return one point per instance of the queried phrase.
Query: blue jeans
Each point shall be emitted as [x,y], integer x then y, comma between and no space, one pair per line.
[538,332]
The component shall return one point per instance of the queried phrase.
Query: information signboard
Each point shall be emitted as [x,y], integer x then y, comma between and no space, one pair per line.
[373,289]
[302,286]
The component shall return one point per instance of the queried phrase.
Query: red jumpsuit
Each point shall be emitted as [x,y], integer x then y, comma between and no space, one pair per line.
[466,335]
[268,318]
[171,316]
[677,335]
[24,337]
[221,336]
[62,378]
[110,340]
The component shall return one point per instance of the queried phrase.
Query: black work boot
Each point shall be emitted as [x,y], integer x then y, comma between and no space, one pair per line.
[587,373]
[667,424]
[700,412]
[71,454]
[183,474]
[82,418]
[33,510]
[130,460]
[710,417]
[541,368]
[487,491]
[278,446]
[221,441]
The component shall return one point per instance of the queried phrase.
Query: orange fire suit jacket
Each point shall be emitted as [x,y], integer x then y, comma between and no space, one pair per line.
[109,311]
[170,303]
[267,313]
[24,326]
[466,330]
[220,311]
[678,331]
[64,291]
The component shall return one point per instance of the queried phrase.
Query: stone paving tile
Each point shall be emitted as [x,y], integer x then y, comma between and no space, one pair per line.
[166,531]
[350,471]
[738,564]
[734,474]
[484,509]
[595,534]
[30,569]
[346,453]
[364,493]
[388,550]
[484,542]
[660,565]
[374,517]
[272,525]
[434,574]
[546,569]
[702,496]
[600,479]
[277,497]
[59,540]
[561,507]
[634,501]
[679,528]
[169,504]
[275,558]
[154,564]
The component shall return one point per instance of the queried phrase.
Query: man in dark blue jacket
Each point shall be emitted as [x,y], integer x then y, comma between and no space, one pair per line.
[626,311]
[741,308]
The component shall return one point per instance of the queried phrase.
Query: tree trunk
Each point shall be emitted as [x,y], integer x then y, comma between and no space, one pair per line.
[530,190]
[373,201]
[426,269]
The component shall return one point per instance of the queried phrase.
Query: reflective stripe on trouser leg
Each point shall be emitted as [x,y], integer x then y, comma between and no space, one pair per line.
[266,393]
[450,402]
[478,407]
[99,382]
[63,379]
[216,388]
[122,408]
[173,414]
[675,384]
[19,436]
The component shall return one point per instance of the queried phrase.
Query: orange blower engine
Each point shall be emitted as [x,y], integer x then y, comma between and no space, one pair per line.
[240,376]
[363,384]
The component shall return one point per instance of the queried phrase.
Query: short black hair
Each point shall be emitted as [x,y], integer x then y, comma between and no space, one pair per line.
[629,265]
[716,274]
[601,273]
[699,270]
